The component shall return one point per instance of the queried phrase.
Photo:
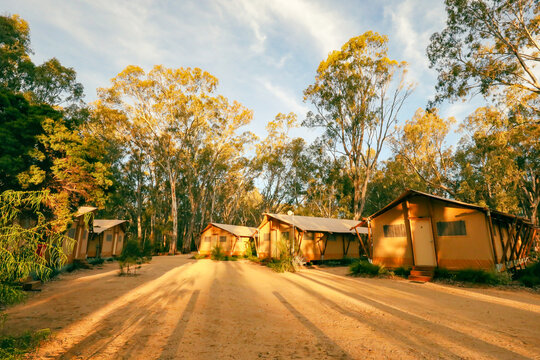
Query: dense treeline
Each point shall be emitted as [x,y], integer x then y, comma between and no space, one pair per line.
[163,149]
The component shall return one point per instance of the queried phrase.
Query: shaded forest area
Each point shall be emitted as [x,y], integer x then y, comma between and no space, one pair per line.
[163,149]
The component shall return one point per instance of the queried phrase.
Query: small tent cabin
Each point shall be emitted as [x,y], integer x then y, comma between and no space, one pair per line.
[108,238]
[80,231]
[232,239]
[314,238]
[424,230]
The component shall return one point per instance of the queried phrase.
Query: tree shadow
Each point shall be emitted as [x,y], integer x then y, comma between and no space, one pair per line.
[473,343]
[333,349]
[173,344]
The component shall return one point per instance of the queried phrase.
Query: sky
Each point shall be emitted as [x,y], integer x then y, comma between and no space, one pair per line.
[264,53]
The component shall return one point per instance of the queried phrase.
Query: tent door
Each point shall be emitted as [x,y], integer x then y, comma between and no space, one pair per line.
[423,245]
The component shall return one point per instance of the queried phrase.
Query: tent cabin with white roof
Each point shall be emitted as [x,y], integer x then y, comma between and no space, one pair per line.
[315,238]
[233,239]
[108,238]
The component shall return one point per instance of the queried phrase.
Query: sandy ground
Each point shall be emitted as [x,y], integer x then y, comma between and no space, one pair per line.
[189,309]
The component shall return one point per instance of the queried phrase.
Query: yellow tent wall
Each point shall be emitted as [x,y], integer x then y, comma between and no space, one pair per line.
[473,250]
[233,245]
[313,245]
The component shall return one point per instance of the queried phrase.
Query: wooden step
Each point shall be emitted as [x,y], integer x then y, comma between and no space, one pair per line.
[419,279]
[424,267]
[31,286]
[427,273]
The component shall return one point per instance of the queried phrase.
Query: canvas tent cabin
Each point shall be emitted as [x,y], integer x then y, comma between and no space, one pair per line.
[233,239]
[80,231]
[424,230]
[108,238]
[315,238]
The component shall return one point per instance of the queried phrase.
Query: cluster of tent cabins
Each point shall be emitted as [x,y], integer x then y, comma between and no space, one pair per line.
[414,230]
[95,237]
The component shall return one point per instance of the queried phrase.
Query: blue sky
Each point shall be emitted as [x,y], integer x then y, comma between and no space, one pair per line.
[265,53]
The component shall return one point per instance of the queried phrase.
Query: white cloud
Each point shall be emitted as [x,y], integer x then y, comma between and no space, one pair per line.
[286,97]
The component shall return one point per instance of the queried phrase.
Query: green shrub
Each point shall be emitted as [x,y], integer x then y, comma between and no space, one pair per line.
[96,261]
[11,294]
[217,253]
[16,347]
[282,265]
[530,276]
[442,273]
[402,271]
[131,258]
[363,267]
[476,276]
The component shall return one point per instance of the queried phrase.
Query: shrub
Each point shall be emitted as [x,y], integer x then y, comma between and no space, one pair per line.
[402,271]
[96,261]
[442,273]
[131,258]
[363,267]
[217,253]
[530,276]
[477,276]
[282,265]
[11,294]
[16,347]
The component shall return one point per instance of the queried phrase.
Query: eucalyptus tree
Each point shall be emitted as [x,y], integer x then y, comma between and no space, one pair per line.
[358,93]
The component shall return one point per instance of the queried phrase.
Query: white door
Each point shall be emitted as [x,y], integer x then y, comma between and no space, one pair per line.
[423,245]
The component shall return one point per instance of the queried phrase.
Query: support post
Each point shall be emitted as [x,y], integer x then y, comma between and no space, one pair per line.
[492,237]
[405,208]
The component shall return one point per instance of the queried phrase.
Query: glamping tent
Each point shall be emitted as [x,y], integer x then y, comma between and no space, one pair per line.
[232,239]
[79,231]
[424,230]
[108,238]
[315,238]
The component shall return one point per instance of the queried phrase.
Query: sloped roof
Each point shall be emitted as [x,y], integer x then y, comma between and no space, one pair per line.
[320,224]
[411,193]
[84,209]
[238,230]
[102,225]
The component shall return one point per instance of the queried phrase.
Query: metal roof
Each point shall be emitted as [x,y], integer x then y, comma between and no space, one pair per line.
[84,209]
[411,193]
[320,224]
[238,230]
[102,225]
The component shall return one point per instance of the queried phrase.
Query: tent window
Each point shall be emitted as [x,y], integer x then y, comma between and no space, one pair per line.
[207,239]
[308,236]
[109,237]
[71,233]
[450,228]
[332,237]
[394,230]
[120,238]
[222,238]
[285,236]
[266,237]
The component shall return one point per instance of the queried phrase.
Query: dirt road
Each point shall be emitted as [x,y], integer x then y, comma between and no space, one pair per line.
[189,309]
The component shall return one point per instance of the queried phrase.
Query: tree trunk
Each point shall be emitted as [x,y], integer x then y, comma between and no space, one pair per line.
[357,195]
[174,214]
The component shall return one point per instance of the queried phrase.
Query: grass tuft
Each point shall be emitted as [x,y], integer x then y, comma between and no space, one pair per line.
[365,268]
[17,347]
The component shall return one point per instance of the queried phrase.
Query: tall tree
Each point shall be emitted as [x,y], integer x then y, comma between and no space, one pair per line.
[421,142]
[487,45]
[358,93]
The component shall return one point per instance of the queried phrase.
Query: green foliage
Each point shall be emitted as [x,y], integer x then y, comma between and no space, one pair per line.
[486,45]
[530,276]
[11,294]
[402,271]
[96,261]
[131,258]
[217,253]
[35,248]
[474,276]
[363,267]
[16,347]
[281,265]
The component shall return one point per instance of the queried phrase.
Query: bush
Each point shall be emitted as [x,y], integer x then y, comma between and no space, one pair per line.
[530,276]
[402,271]
[363,267]
[282,265]
[11,294]
[217,253]
[131,258]
[96,261]
[16,347]
[442,273]
[474,276]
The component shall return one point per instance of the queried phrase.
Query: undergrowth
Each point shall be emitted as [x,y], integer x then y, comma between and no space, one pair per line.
[365,268]
[17,347]
[473,276]
[530,276]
